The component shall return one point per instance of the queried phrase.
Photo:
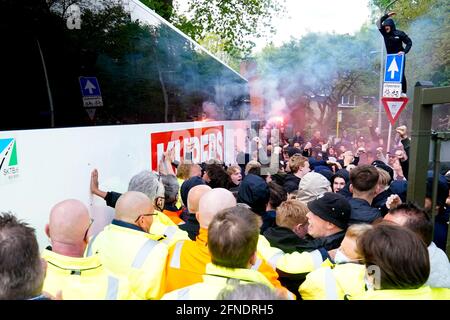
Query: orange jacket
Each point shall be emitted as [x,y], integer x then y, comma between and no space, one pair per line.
[174,216]
[188,259]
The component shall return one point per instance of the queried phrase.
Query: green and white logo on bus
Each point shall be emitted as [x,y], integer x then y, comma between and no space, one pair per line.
[9,165]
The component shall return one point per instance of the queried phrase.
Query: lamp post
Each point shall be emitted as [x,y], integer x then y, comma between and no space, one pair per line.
[380,84]
[380,92]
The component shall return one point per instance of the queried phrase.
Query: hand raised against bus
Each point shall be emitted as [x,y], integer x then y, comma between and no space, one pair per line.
[94,185]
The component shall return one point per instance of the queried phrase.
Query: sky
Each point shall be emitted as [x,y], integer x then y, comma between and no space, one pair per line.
[303,16]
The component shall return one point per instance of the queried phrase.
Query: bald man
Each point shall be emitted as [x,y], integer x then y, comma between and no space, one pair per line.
[77,278]
[188,259]
[192,226]
[127,249]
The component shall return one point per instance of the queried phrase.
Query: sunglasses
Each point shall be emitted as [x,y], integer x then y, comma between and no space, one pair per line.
[145,215]
[87,230]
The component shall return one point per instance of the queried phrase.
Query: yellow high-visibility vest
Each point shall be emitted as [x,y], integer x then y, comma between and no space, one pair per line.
[334,283]
[188,260]
[293,263]
[422,293]
[215,280]
[134,254]
[82,279]
[163,225]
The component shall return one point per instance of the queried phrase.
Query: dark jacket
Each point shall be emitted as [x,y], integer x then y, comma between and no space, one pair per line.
[268,219]
[298,139]
[393,40]
[191,227]
[254,192]
[405,164]
[111,198]
[379,202]
[400,188]
[362,212]
[284,239]
[291,183]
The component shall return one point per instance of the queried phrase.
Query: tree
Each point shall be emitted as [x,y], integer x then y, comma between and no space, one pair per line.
[233,21]
[320,69]
[162,7]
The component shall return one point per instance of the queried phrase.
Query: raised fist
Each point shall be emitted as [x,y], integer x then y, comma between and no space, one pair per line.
[402,132]
[393,201]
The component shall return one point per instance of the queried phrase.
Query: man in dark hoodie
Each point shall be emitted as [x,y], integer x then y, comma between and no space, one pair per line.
[394,39]
[255,193]
[363,185]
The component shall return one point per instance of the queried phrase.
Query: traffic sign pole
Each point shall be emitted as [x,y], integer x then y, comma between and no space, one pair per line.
[389,138]
[392,91]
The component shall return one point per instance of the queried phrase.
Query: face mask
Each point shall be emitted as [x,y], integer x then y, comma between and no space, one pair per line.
[341,257]
[368,282]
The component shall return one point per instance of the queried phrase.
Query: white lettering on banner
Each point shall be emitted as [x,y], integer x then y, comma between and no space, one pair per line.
[195,149]
[219,145]
[206,144]
[212,146]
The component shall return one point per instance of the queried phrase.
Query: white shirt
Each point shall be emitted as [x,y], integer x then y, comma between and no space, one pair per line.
[439,268]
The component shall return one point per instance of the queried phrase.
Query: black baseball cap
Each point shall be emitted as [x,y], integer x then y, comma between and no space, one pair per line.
[332,207]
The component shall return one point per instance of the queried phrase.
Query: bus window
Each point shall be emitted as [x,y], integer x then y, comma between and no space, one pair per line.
[146,70]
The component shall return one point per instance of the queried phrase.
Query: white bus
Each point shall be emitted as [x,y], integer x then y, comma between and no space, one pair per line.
[110,88]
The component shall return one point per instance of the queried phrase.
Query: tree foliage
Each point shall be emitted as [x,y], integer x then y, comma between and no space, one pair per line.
[233,21]
[163,7]
[320,69]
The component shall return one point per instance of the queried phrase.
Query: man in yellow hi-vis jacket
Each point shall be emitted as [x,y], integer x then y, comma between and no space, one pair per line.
[127,249]
[68,272]
[232,240]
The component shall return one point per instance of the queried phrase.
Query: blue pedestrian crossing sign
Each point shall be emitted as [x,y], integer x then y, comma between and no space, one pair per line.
[393,70]
[90,91]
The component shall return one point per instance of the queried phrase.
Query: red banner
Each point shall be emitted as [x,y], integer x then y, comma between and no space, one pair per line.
[207,143]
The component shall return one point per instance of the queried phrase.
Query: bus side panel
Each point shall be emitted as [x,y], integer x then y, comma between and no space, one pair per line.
[50,165]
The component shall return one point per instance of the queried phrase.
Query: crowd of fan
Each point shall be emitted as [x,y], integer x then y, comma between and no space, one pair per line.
[293,220]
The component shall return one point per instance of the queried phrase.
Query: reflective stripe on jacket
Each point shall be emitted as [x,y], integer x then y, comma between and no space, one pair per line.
[82,279]
[214,281]
[188,259]
[327,283]
[133,254]
[163,225]
[292,263]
